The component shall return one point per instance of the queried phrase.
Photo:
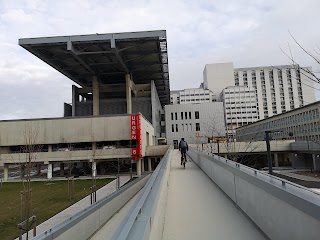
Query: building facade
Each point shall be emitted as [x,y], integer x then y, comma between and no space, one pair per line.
[240,107]
[278,88]
[303,123]
[193,95]
[197,123]
[218,76]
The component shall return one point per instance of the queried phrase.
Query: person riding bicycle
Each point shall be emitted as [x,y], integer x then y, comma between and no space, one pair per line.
[183,147]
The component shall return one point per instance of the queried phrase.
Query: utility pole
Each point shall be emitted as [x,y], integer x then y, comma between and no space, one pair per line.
[268,151]
[267,138]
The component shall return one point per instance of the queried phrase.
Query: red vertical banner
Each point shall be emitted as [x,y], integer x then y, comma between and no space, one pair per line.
[135,128]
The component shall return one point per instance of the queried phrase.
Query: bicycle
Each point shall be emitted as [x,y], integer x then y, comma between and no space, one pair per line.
[183,160]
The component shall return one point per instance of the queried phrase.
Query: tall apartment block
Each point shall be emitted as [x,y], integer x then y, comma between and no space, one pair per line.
[193,95]
[240,107]
[278,88]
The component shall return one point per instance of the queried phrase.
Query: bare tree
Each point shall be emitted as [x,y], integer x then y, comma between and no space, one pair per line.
[30,152]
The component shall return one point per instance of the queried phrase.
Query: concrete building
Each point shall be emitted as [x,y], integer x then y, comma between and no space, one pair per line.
[197,123]
[240,107]
[278,88]
[193,95]
[218,76]
[303,122]
[116,111]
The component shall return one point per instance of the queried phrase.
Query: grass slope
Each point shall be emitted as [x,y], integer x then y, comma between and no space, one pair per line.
[48,199]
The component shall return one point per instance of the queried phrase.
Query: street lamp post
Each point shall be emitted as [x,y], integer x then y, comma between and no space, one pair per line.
[267,138]
[268,152]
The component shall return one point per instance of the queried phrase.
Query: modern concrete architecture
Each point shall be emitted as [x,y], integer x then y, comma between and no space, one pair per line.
[218,76]
[197,123]
[123,84]
[240,107]
[303,122]
[193,95]
[278,88]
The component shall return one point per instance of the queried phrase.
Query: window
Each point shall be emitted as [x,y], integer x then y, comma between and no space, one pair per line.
[189,115]
[171,116]
[181,115]
[162,117]
[186,115]
[176,127]
[172,128]
[196,115]
[176,115]
[197,126]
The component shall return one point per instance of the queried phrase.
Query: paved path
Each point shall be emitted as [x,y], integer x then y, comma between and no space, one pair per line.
[198,209]
[78,206]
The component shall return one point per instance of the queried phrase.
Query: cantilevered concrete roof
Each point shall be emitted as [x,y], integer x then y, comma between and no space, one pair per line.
[108,56]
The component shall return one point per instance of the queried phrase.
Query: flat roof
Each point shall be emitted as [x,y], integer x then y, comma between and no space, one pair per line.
[108,56]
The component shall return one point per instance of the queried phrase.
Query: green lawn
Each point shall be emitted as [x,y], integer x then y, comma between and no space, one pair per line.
[48,199]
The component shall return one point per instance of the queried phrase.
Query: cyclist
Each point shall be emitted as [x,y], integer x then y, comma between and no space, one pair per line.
[183,147]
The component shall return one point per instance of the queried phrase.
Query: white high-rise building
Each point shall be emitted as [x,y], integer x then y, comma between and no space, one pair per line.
[193,95]
[278,88]
[240,107]
[218,76]
[197,123]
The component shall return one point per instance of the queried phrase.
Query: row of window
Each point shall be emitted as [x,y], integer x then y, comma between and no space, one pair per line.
[185,127]
[184,115]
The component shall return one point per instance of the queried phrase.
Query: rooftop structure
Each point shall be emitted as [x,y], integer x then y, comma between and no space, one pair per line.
[108,57]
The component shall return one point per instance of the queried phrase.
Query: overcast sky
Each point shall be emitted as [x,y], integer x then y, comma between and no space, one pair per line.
[246,32]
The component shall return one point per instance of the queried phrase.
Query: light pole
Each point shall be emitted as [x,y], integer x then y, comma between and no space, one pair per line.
[267,138]
[268,151]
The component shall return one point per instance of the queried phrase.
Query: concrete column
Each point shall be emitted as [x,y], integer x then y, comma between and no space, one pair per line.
[49,173]
[276,160]
[149,165]
[94,169]
[5,172]
[128,93]
[39,169]
[61,169]
[50,148]
[95,93]
[142,165]
[75,99]
[316,162]
[139,168]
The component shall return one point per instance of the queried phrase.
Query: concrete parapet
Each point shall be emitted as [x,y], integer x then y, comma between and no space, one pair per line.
[85,223]
[281,209]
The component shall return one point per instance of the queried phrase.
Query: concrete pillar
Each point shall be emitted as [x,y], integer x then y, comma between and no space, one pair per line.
[316,162]
[22,173]
[276,160]
[75,99]
[142,165]
[149,165]
[95,93]
[5,172]
[39,169]
[49,173]
[139,168]
[128,93]
[50,148]
[62,169]
[94,169]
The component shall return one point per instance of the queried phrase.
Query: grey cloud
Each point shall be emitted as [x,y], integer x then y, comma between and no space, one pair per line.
[247,32]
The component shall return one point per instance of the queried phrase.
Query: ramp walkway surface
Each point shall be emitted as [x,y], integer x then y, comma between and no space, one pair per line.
[198,209]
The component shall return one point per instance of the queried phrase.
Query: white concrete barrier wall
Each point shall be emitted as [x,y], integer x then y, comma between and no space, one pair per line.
[281,209]
[145,219]
[87,222]
[160,209]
